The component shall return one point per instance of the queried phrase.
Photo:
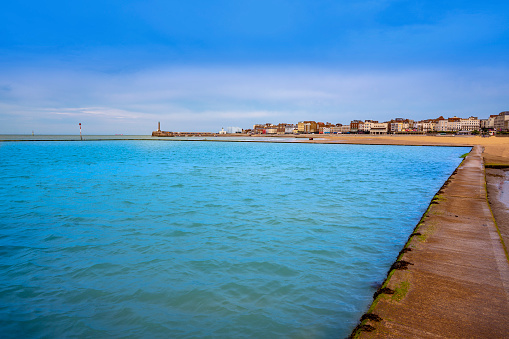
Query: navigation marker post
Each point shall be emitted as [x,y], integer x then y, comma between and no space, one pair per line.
[81,138]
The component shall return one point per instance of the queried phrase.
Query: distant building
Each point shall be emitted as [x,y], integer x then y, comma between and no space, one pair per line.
[271,129]
[399,125]
[307,127]
[429,125]
[441,124]
[356,126]
[345,129]
[284,128]
[259,129]
[395,127]
[222,131]
[378,128]
[336,129]
[488,124]
[325,128]
[469,125]
[501,122]
[448,125]
[368,124]
[454,124]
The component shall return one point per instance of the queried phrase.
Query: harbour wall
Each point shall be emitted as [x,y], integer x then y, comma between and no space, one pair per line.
[452,277]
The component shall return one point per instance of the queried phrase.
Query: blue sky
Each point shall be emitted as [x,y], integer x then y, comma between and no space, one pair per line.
[122,66]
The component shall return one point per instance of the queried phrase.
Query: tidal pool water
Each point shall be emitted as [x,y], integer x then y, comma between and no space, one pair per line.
[151,238]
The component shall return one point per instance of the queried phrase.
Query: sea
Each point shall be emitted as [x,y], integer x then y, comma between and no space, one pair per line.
[203,239]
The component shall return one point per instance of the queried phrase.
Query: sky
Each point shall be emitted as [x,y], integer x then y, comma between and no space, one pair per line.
[120,66]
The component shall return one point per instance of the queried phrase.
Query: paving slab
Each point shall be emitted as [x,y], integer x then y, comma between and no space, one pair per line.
[456,282]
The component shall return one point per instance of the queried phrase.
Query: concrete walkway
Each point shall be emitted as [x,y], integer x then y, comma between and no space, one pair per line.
[456,284]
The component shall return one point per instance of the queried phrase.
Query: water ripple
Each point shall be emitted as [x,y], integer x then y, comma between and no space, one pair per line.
[192,240]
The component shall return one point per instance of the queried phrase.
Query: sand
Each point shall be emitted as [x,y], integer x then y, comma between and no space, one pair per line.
[496,149]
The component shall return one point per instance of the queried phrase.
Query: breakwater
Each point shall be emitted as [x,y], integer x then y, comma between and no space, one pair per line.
[183,134]
[452,277]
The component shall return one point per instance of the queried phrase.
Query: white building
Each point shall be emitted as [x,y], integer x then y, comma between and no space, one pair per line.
[379,128]
[425,126]
[429,125]
[290,128]
[448,125]
[367,125]
[470,124]
[442,124]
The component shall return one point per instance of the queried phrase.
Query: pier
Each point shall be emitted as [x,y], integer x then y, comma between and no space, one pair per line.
[160,133]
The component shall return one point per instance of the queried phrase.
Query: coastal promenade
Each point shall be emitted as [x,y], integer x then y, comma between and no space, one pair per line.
[452,278]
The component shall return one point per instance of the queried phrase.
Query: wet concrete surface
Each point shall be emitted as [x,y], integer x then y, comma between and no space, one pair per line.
[457,285]
[497,184]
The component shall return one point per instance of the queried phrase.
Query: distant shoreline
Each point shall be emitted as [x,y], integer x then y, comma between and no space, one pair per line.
[496,149]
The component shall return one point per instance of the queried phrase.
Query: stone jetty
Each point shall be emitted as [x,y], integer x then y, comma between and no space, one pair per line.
[452,278]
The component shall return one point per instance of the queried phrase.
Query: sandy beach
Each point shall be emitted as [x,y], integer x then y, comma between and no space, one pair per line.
[496,149]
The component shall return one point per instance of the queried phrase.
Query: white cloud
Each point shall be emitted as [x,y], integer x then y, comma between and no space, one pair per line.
[206,98]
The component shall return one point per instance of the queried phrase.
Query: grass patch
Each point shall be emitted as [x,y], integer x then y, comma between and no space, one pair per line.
[464,155]
[401,291]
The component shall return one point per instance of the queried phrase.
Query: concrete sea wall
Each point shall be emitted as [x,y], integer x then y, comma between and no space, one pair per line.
[452,278]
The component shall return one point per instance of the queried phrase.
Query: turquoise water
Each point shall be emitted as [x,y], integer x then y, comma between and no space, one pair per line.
[203,239]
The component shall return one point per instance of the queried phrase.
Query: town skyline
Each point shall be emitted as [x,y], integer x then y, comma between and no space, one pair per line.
[117,67]
[471,125]
[495,123]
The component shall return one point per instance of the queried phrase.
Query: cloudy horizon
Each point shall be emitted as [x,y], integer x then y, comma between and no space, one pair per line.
[121,67]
